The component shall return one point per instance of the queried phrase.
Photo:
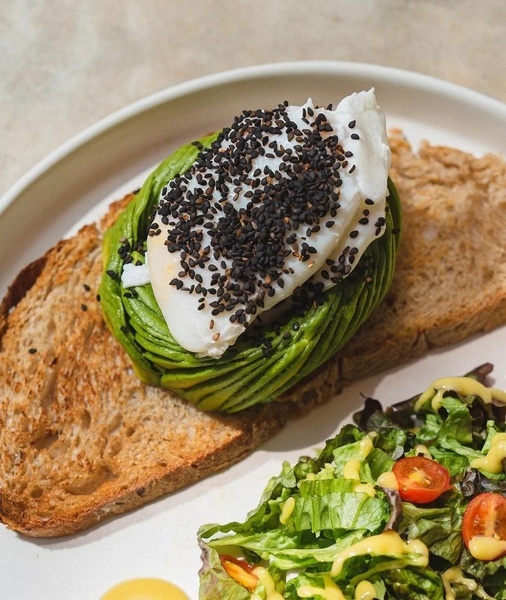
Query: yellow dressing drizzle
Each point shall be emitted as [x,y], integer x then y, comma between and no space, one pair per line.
[351,469]
[467,386]
[366,446]
[486,547]
[365,591]
[493,460]
[455,575]
[422,450]
[388,480]
[287,510]
[388,543]
[268,582]
[365,488]
[329,592]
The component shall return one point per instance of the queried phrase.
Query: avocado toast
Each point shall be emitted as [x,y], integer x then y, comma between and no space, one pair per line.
[81,434]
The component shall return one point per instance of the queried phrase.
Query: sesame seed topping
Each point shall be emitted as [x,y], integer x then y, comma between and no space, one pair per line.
[249,220]
[249,243]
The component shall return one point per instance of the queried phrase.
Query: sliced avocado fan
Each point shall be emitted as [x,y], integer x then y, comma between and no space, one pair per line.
[266,361]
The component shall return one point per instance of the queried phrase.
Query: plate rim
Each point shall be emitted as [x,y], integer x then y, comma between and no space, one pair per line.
[118,117]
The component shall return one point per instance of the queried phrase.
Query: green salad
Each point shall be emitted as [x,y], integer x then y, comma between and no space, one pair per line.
[409,502]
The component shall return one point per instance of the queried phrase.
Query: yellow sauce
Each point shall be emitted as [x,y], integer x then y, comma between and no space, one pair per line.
[388,543]
[365,591]
[287,510]
[366,446]
[145,588]
[486,547]
[365,488]
[351,469]
[455,575]
[268,582]
[493,461]
[422,450]
[329,592]
[466,386]
[388,480]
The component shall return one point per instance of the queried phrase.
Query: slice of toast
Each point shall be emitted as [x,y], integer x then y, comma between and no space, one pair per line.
[450,278]
[81,438]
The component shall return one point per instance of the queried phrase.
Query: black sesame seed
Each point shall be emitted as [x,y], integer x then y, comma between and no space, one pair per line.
[301,194]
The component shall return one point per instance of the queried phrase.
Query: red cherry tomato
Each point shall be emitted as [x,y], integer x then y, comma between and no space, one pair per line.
[485,515]
[421,480]
[240,571]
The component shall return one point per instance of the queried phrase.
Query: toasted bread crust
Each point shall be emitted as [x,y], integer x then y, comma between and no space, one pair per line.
[82,438]
[81,435]
[450,278]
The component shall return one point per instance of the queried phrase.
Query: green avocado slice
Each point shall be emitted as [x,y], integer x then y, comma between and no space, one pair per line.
[249,372]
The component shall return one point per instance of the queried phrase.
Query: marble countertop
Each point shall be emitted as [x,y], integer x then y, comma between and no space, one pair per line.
[65,65]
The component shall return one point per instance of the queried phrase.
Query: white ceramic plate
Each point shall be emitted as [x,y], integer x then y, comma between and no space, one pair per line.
[75,183]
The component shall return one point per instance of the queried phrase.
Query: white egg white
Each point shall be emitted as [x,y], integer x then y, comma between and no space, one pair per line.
[360,126]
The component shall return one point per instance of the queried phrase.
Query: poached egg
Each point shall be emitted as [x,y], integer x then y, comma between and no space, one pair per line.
[282,198]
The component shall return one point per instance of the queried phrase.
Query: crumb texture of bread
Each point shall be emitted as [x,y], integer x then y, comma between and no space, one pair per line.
[81,438]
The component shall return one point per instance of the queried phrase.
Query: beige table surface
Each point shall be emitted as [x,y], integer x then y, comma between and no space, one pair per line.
[66,64]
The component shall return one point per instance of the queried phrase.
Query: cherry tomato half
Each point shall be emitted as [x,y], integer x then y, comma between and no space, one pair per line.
[421,480]
[485,516]
[240,571]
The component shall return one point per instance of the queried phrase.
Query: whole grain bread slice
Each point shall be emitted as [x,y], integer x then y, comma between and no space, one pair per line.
[450,278]
[81,438]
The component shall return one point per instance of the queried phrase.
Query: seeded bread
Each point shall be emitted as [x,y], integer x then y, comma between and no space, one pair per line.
[81,438]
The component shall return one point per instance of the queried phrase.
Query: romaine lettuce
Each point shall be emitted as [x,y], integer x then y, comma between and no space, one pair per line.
[314,511]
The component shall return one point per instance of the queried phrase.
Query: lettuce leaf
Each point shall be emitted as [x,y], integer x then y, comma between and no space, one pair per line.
[328,513]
